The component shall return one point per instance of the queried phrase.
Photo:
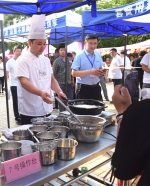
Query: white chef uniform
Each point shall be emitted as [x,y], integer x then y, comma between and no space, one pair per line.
[38,71]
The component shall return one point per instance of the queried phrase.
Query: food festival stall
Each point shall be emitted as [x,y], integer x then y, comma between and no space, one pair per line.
[84,153]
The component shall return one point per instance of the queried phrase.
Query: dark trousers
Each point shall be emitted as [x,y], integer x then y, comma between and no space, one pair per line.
[89,92]
[15,101]
[2,84]
[117,81]
[27,119]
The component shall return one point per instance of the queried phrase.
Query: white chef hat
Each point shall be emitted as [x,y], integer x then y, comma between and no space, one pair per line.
[37,29]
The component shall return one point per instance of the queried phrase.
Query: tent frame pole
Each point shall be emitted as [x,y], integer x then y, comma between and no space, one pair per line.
[5,75]
[125,48]
[66,42]
[48,45]
[83,32]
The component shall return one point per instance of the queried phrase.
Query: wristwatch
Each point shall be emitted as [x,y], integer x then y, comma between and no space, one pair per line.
[119,116]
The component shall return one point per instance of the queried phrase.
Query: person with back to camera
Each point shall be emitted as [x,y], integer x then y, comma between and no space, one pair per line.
[132,152]
[87,67]
[34,76]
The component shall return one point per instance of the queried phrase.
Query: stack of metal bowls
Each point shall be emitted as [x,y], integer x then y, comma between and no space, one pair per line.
[90,129]
[45,121]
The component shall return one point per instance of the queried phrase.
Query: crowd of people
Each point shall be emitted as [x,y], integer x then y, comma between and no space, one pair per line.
[86,72]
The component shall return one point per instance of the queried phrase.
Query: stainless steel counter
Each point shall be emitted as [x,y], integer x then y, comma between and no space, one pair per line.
[85,152]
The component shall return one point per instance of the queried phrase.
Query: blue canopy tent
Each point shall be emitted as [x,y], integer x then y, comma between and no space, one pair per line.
[31,7]
[120,20]
[131,19]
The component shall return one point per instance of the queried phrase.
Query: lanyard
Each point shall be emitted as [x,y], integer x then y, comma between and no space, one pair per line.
[92,63]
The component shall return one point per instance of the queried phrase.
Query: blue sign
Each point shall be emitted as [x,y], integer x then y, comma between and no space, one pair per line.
[24,29]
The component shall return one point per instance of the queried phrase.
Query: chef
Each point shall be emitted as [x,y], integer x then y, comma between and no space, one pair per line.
[34,76]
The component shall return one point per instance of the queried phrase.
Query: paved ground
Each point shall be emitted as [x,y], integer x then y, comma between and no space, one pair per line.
[100,172]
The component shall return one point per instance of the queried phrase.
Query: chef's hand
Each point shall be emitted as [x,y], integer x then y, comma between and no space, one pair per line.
[61,95]
[121,98]
[46,97]
[97,72]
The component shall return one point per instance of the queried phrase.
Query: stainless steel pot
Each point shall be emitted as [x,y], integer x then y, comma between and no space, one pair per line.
[21,135]
[89,131]
[61,130]
[66,148]
[10,150]
[48,154]
[38,128]
[47,136]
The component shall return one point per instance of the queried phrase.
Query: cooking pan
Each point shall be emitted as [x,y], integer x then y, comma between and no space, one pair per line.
[86,106]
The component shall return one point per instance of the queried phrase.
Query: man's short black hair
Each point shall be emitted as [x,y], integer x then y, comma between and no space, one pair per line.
[123,52]
[61,46]
[114,49]
[69,54]
[142,53]
[91,36]
[17,47]
[56,50]
[132,55]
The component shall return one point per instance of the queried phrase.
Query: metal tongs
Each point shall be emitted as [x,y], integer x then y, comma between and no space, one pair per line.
[68,109]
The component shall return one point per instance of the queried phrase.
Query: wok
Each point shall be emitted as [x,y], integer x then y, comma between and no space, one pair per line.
[86,106]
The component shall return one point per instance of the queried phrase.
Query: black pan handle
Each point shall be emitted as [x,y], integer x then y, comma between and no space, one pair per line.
[65,99]
[105,106]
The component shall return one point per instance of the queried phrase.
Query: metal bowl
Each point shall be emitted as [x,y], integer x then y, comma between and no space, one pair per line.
[10,150]
[61,130]
[89,131]
[38,128]
[47,136]
[66,148]
[40,121]
[21,135]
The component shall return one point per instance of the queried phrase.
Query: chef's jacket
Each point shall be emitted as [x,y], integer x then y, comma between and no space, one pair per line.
[38,71]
